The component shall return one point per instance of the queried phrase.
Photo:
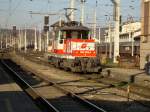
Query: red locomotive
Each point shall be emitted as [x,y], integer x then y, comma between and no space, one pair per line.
[72,48]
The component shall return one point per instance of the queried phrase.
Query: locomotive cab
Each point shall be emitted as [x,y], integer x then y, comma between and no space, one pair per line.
[75,33]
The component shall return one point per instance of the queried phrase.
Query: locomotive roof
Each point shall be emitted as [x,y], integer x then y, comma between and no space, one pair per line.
[72,25]
[77,28]
[56,24]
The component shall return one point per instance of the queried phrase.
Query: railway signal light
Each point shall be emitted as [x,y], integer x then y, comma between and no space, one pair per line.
[120,28]
[46,20]
[120,20]
[120,23]
[46,28]
[14,27]
[14,31]
[83,0]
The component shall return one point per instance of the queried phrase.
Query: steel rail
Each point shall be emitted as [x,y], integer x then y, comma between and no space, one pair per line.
[26,87]
[68,93]
[108,84]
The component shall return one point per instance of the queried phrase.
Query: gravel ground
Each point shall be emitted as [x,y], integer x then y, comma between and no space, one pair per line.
[141,77]
[111,98]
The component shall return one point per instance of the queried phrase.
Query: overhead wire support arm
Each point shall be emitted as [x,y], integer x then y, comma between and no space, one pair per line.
[68,15]
[40,13]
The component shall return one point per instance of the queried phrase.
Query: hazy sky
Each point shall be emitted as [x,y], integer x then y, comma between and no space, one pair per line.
[16,12]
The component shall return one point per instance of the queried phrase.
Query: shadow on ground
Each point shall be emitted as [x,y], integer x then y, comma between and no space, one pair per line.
[109,106]
[16,101]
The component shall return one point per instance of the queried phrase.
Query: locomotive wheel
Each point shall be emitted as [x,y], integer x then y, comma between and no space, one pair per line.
[66,69]
[57,64]
[100,70]
[85,72]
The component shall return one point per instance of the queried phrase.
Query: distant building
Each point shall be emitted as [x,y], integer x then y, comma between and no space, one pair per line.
[129,31]
[103,34]
[129,39]
[145,35]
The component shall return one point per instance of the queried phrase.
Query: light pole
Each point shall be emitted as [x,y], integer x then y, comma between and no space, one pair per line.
[132,32]
[99,34]
[25,41]
[19,40]
[82,10]
[40,36]
[116,36]
[6,41]
[110,38]
[109,35]
[47,40]
[95,22]
[35,39]
[132,42]
[1,40]
[105,42]
[72,7]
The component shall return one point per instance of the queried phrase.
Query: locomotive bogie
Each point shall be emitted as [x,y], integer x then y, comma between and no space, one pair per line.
[84,65]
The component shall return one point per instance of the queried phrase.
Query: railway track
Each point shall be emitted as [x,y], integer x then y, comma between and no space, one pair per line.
[107,83]
[50,96]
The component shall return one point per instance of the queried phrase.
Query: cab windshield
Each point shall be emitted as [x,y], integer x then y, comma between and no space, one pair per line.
[75,34]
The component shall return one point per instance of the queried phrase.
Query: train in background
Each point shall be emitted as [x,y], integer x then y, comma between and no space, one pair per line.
[125,49]
[72,48]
